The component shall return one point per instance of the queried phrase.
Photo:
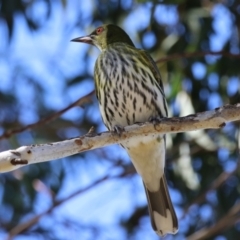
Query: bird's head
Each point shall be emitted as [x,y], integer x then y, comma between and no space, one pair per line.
[105,35]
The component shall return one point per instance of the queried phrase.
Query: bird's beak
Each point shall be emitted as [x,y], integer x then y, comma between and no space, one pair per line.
[86,39]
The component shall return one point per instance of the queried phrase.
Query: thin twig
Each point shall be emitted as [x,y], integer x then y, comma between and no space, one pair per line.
[20,228]
[223,177]
[224,223]
[196,54]
[79,102]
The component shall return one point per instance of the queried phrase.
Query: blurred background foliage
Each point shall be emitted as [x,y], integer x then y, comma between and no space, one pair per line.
[97,195]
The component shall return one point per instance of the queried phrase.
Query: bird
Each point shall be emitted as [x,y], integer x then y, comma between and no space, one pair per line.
[129,90]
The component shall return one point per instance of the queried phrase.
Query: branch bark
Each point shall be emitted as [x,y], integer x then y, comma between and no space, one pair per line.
[13,159]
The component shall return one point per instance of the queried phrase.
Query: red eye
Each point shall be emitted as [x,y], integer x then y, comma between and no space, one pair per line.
[99,30]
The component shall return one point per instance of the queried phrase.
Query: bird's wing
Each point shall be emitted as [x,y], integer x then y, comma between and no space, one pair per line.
[153,67]
[156,73]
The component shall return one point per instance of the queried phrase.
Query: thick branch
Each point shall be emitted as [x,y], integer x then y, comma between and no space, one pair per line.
[13,159]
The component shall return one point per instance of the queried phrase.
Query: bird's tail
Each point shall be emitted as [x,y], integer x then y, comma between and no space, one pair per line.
[162,214]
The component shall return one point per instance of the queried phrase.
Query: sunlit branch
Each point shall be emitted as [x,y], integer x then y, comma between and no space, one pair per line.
[79,102]
[13,159]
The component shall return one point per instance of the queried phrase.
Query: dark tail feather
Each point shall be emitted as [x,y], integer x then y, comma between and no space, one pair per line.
[162,214]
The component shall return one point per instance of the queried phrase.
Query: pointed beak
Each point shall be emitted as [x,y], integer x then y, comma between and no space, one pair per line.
[86,39]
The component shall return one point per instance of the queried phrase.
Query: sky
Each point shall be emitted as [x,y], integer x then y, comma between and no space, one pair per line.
[49,54]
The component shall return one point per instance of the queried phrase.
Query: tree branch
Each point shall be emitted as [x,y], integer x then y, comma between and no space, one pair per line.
[225,222]
[31,222]
[50,118]
[196,54]
[13,159]
[223,177]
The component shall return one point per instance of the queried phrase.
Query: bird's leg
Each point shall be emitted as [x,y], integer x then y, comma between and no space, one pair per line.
[155,120]
[118,129]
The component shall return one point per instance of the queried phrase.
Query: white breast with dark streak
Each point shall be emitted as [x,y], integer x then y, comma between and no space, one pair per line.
[129,96]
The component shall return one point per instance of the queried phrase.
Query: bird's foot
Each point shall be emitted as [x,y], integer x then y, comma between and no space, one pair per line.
[155,120]
[90,132]
[118,129]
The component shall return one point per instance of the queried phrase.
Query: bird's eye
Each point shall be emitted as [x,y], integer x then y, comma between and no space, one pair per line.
[99,30]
